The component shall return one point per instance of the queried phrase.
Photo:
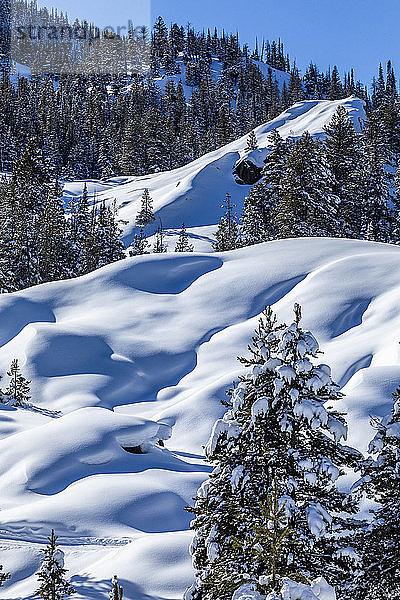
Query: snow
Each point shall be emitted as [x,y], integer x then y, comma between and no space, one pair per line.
[144,349]
[318,519]
[318,590]
[193,194]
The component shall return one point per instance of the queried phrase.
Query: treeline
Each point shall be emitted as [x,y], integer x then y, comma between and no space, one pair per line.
[41,240]
[276,504]
[342,186]
[101,123]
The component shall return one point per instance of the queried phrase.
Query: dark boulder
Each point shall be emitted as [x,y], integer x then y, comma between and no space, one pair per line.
[246,172]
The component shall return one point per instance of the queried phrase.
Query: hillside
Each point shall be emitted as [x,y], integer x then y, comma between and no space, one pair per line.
[193,194]
[141,351]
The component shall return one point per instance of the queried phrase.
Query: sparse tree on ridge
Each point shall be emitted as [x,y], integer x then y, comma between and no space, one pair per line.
[139,244]
[159,246]
[17,392]
[146,214]
[183,245]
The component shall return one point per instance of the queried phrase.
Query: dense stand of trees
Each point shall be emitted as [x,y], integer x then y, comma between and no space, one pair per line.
[42,240]
[344,186]
[102,120]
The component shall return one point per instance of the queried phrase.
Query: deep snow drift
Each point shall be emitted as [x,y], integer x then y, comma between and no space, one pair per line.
[193,194]
[142,351]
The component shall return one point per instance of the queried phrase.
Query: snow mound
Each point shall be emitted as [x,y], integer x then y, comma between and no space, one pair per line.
[137,357]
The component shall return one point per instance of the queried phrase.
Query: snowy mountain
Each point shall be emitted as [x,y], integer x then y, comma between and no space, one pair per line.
[193,194]
[142,351]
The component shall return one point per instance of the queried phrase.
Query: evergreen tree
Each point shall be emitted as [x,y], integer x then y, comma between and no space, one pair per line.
[146,214]
[139,244]
[306,205]
[375,182]
[17,392]
[108,246]
[182,245]
[379,545]
[117,593]
[3,576]
[279,437]
[159,245]
[335,88]
[227,233]
[344,161]
[259,206]
[51,577]
[252,143]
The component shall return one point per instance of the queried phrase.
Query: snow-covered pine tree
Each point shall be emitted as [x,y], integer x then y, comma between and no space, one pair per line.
[81,232]
[279,434]
[146,214]
[107,247]
[259,206]
[182,245]
[139,244]
[227,233]
[379,545]
[159,246]
[51,577]
[344,161]
[55,255]
[306,205]
[375,182]
[117,592]
[17,392]
[252,143]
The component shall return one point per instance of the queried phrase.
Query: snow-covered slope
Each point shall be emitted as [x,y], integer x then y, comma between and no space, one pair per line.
[141,351]
[193,194]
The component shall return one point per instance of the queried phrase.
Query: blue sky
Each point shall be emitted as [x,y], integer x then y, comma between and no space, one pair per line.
[358,33]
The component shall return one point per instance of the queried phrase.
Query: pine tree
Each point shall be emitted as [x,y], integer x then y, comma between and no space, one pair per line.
[379,545]
[117,593]
[107,244]
[227,233]
[51,577]
[159,245]
[336,88]
[260,205]
[139,244]
[3,576]
[146,214]
[306,205]
[344,161]
[182,245]
[252,143]
[17,392]
[279,436]
[375,182]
